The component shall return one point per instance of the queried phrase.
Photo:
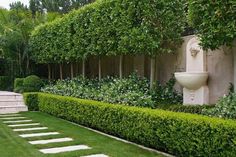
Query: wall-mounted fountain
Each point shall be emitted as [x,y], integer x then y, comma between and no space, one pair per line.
[194,80]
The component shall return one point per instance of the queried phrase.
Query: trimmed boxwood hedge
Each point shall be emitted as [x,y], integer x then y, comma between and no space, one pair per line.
[181,134]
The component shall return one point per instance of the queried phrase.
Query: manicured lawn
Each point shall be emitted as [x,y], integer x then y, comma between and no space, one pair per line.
[11,145]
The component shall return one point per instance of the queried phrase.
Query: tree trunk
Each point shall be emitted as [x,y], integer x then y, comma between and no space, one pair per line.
[152,72]
[61,72]
[83,68]
[121,66]
[49,72]
[27,65]
[71,70]
[99,69]
[53,72]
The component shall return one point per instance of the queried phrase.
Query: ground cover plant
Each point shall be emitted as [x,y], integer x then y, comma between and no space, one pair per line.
[177,133]
[133,90]
[224,108]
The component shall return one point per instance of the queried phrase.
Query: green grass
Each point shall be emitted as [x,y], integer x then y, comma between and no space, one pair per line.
[11,145]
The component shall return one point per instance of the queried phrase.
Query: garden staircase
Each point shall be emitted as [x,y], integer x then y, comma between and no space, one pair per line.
[11,103]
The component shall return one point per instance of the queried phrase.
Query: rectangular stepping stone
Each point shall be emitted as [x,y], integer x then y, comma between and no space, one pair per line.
[96,155]
[39,134]
[9,115]
[57,140]
[17,121]
[12,118]
[64,149]
[17,125]
[31,129]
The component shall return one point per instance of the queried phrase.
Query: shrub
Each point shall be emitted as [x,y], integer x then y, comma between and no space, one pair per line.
[225,107]
[133,91]
[18,85]
[5,83]
[31,100]
[177,133]
[32,83]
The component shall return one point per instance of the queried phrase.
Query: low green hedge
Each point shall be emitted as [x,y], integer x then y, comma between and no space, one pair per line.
[31,99]
[189,108]
[5,83]
[181,134]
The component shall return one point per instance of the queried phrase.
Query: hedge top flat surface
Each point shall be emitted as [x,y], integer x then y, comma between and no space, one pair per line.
[14,146]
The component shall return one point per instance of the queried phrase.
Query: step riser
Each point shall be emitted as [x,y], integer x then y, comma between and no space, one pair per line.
[11,100]
[11,97]
[17,103]
[5,110]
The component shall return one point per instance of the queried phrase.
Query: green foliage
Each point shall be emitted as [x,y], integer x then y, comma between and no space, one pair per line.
[31,100]
[111,27]
[32,84]
[166,94]
[189,108]
[180,134]
[19,85]
[5,83]
[132,91]
[214,21]
[225,107]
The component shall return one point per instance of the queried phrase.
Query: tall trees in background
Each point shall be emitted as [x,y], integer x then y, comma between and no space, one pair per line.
[16,25]
[112,28]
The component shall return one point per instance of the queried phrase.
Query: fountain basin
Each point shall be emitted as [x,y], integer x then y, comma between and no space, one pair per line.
[191,80]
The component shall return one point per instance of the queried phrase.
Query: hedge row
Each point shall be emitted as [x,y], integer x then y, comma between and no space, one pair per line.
[111,27]
[176,133]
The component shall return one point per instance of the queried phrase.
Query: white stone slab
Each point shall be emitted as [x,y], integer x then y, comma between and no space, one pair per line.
[56,140]
[39,134]
[96,155]
[64,149]
[31,129]
[17,121]
[9,115]
[12,118]
[19,125]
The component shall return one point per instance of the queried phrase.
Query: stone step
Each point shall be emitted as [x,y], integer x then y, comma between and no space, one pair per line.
[2,97]
[12,118]
[17,121]
[31,129]
[64,149]
[13,109]
[9,115]
[22,125]
[96,155]
[56,140]
[38,134]
[11,103]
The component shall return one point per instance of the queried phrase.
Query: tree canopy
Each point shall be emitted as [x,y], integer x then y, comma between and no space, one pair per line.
[111,27]
[214,21]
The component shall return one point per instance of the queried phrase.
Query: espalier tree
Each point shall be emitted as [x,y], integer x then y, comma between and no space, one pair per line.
[120,27]
[214,21]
